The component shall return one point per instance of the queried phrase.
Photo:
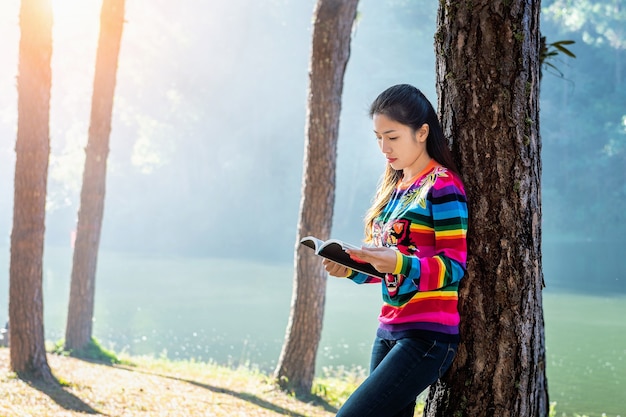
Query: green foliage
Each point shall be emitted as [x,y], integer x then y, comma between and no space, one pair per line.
[552,412]
[336,385]
[93,352]
[64,382]
[549,51]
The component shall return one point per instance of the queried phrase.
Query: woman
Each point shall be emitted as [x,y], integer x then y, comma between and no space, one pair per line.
[415,233]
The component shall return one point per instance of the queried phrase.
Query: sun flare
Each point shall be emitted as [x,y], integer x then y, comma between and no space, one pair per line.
[69,14]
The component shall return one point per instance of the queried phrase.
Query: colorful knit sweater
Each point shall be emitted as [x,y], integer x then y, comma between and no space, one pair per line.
[427,223]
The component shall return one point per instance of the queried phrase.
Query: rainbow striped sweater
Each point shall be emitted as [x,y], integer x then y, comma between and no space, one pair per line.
[427,223]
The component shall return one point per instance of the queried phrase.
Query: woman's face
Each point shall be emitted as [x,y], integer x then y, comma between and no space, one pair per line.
[404,148]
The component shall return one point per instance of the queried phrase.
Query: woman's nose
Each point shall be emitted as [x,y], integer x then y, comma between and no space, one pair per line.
[384,146]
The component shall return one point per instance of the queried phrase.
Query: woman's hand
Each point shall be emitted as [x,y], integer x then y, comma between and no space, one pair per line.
[335,269]
[382,259]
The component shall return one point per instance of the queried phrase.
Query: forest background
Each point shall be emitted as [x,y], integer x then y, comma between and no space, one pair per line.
[207,140]
[210,110]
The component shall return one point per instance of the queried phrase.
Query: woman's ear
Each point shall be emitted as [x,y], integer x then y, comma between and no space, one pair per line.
[422,133]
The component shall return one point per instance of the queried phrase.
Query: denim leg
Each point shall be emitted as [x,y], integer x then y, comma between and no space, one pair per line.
[400,371]
[380,349]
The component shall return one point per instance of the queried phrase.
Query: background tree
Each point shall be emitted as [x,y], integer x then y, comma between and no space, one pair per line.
[82,291]
[28,355]
[488,73]
[332,27]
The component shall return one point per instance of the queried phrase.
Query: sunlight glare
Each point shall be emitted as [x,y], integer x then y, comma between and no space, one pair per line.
[70,14]
[75,30]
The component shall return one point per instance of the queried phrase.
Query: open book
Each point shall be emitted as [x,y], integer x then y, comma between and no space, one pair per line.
[334,250]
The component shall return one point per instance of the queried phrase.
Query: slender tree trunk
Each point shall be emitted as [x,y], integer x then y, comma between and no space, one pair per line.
[488,86]
[82,291]
[28,355]
[333,20]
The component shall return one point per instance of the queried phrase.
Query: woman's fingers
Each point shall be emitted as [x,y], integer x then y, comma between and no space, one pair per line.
[335,269]
[383,259]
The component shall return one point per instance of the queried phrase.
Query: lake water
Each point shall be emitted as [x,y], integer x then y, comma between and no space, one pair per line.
[233,312]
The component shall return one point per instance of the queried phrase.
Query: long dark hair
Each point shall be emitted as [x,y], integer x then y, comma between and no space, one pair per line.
[407,105]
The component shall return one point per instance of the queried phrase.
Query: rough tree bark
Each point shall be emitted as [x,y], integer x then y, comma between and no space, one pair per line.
[79,327]
[28,355]
[333,20]
[488,86]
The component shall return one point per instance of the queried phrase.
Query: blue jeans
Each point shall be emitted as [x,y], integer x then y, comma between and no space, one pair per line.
[400,371]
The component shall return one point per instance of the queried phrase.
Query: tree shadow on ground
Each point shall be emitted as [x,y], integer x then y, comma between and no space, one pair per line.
[253,399]
[59,395]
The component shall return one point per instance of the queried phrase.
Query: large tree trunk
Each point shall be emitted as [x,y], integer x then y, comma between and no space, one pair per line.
[488,86]
[28,355]
[81,304]
[333,20]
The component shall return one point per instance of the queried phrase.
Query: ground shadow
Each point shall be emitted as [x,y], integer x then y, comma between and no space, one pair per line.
[253,399]
[59,395]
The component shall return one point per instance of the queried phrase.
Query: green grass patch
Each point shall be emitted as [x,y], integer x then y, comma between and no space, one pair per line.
[92,352]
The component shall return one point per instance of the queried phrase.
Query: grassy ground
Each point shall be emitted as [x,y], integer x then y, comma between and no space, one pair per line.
[153,387]
[145,386]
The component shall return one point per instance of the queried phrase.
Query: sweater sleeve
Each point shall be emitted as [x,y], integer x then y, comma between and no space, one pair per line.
[448,261]
[361,278]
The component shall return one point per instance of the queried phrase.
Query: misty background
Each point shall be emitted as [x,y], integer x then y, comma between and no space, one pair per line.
[208,125]
[208,129]
[205,167]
